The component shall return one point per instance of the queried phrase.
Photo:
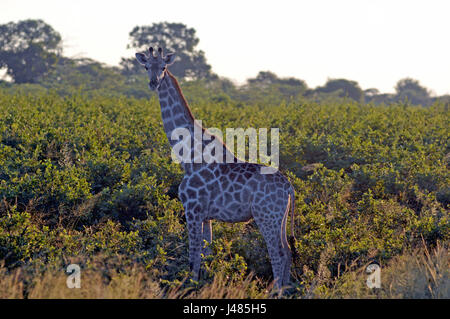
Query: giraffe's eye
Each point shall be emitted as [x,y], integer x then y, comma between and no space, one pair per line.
[146,67]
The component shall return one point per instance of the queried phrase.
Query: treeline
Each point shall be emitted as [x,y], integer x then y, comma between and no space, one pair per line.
[31,53]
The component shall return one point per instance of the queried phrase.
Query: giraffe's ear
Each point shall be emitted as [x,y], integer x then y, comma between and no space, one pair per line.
[169,58]
[142,59]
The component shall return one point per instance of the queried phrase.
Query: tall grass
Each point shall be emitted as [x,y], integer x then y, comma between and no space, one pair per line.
[422,273]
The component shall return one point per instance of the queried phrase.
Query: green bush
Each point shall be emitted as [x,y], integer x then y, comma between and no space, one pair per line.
[90,177]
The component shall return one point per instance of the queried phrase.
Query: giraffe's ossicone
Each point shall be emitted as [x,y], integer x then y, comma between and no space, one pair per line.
[233,191]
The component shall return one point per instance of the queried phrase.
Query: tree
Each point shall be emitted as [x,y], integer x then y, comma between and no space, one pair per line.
[261,91]
[343,88]
[265,78]
[190,62]
[82,73]
[92,77]
[371,92]
[271,88]
[28,49]
[411,89]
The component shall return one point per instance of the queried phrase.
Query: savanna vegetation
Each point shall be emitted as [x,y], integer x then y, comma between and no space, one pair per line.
[86,177]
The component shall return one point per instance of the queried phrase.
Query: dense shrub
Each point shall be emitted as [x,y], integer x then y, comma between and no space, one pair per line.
[91,179]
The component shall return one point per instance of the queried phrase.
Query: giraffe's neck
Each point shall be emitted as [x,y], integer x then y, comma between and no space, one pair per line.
[175,111]
[176,114]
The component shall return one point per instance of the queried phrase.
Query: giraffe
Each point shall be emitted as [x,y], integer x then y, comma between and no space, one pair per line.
[232,191]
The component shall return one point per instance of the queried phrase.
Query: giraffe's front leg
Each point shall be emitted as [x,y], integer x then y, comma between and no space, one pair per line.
[207,238]
[195,245]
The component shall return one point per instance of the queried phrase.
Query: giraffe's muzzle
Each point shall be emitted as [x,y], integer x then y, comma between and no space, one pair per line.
[153,85]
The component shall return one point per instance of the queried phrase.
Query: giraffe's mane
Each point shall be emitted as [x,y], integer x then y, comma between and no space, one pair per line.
[183,99]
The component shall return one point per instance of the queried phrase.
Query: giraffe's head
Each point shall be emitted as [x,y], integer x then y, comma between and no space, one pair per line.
[155,66]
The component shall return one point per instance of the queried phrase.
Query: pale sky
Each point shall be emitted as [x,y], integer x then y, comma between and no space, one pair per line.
[375,43]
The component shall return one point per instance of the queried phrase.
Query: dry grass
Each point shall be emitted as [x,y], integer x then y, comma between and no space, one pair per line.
[222,288]
[135,284]
[11,285]
[94,285]
[419,274]
[423,274]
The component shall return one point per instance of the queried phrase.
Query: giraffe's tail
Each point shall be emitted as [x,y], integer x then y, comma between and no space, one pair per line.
[292,239]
